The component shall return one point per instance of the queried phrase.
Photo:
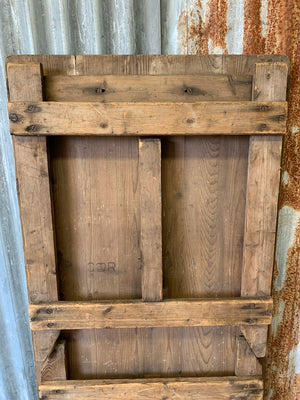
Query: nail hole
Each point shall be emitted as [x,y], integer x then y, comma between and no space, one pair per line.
[100,90]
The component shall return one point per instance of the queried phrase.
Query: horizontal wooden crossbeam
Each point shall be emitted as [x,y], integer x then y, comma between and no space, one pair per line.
[187,88]
[148,389]
[106,119]
[133,314]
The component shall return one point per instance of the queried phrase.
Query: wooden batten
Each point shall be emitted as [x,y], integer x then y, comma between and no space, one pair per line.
[137,314]
[140,119]
[246,361]
[151,229]
[32,173]
[112,88]
[269,84]
[222,388]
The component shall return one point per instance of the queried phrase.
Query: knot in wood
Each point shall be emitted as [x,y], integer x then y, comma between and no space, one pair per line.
[264,107]
[32,128]
[281,118]
[263,127]
[15,117]
[32,108]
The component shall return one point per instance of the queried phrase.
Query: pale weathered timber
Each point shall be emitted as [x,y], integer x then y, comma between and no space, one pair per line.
[234,65]
[55,368]
[246,362]
[127,119]
[31,161]
[222,388]
[110,88]
[151,229]
[138,314]
[269,84]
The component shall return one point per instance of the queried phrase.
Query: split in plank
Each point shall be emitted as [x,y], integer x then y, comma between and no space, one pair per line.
[138,314]
[106,119]
[184,388]
[187,88]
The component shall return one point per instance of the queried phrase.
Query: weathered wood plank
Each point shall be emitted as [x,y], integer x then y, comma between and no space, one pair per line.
[269,84]
[98,315]
[222,388]
[246,361]
[55,368]
[256,338]
[201,118]
[204,185]
[110,88]
[151,229]
[31,161]
[234,65]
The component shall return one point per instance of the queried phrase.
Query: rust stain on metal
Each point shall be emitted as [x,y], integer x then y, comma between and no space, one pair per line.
[277,29]
[283,341]
[195,34]
[254,42]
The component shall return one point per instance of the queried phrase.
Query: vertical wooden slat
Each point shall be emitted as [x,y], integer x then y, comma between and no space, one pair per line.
[31,159]
[246,363]
[151,229]
[269,84]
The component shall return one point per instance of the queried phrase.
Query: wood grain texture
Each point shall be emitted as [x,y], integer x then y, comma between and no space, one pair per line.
[110,88]
[246,361]
[55,368]
[144,352]
[195,389]
[204,185]
[138,314]
[96,194]
[146,118]
[234,65]
[31,161]
[256,339]
[261,217]
[151,213]
[269,84]
[151,352]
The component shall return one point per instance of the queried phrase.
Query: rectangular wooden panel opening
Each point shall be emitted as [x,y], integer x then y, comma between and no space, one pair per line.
[96,203]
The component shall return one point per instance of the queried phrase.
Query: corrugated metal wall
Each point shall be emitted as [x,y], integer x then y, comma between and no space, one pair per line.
[150,27]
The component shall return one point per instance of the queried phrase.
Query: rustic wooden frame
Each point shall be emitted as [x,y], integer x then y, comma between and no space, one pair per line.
[31,121]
